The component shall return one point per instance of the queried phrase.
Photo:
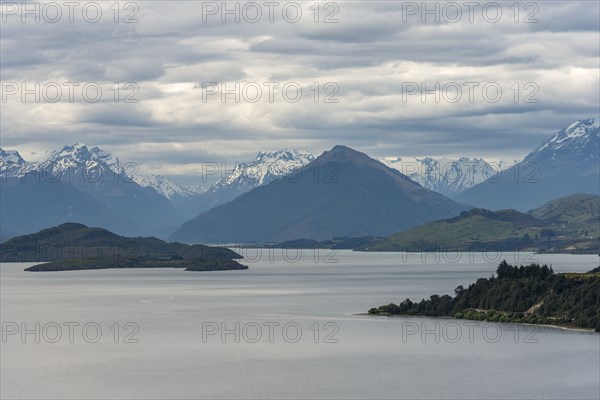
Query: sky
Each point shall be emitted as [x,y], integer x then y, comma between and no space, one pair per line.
[196,86]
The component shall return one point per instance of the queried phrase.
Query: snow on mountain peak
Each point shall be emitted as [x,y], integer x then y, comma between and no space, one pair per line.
[577,129]
[443,175]
[267,166]
[79,155]
[11,162]
[283,155]
[167,186]
[576,135]
[11,156]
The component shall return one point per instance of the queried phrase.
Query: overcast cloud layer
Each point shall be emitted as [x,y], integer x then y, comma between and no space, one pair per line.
[376,50]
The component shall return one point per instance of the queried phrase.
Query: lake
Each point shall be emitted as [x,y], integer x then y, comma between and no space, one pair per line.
[283,329]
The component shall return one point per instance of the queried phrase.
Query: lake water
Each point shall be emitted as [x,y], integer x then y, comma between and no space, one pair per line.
[289,333]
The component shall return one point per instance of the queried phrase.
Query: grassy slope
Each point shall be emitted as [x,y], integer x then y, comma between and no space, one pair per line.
[578,212]
[574,222]
[475,226]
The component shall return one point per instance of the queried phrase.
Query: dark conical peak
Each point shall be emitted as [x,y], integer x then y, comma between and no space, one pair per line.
[341,149]
[344,153]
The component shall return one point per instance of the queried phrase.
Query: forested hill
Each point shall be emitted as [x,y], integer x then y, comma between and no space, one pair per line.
[527,294]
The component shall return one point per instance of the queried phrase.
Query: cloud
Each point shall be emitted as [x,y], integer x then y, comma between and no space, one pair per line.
[363,61]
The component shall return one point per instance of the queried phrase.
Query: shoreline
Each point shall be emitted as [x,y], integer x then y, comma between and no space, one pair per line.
[561,327]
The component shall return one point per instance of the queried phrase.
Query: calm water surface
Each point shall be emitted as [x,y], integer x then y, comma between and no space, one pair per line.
[282,329]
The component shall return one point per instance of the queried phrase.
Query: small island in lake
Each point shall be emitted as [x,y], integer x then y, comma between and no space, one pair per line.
[531,294]
[73,246]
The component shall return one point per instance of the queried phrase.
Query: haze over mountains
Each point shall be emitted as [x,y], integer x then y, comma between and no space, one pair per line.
[91,186]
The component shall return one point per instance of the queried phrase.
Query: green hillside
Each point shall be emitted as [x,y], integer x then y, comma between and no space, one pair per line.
[578,213]
[569,224]
[472,229]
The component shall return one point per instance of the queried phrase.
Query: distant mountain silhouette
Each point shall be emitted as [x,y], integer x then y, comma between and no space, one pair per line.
[29,205]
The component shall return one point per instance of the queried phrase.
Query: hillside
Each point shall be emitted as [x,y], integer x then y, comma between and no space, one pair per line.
[72,246]
[568,224]
[342,193]
[472,229]
[533,294]
[576,213]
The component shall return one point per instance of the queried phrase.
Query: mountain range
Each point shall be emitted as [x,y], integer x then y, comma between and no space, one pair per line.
[91,186]
[92,171]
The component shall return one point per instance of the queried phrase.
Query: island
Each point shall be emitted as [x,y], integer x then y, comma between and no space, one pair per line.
[73,246]
[530,294]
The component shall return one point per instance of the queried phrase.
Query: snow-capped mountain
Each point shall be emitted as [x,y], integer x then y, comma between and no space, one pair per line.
[565,164]
[443,175]
[243,177]
[167,186]
[267,166]
[11,163]
[78,158]
[576,141]
[101,176]
[90,162]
